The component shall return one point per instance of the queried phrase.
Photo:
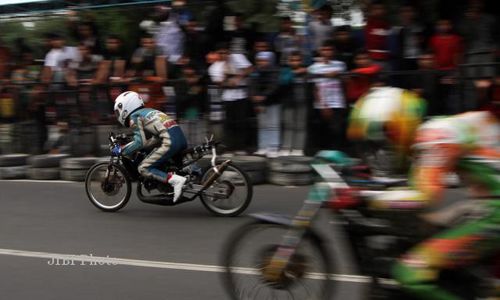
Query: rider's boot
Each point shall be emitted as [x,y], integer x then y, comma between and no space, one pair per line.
[177,182]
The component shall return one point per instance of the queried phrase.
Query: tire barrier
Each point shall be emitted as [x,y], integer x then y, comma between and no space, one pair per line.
[46,160]
[14,172]
[11,160]
[75,169]
[6,138]
[43,173]
[13,166]
[287,171]
[254,166]
[45,166]
[291,170]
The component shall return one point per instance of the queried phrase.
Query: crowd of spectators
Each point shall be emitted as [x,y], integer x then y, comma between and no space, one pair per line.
[268,93]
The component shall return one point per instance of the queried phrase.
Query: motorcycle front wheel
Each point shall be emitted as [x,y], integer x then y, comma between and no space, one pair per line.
[248,252]
[108,187]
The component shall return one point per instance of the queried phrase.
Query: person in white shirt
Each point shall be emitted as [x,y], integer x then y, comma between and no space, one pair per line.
[58,59]
[329,100]
[230,72]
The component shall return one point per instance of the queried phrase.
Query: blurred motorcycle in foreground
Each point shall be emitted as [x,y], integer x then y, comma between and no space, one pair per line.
[280,257]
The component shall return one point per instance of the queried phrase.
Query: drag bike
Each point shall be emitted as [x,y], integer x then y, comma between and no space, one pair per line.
[223,188]
[281,257]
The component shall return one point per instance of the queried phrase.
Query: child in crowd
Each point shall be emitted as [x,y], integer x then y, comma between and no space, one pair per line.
[363,76]
[329,101]
[191,97]
[263,92]
[293,85]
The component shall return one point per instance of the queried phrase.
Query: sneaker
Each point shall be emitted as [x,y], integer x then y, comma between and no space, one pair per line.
[284,152]
[177,182]
[261,152]
[297,153]
[272,154]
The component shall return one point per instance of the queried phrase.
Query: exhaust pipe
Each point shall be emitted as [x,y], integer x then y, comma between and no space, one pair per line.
[218,170]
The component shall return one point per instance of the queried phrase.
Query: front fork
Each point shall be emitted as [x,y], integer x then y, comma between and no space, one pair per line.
[300,224]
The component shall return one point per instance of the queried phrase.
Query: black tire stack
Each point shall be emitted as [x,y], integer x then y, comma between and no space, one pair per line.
[291,170]
[13,166]
[75,168]
[254,166]
[45,166]
[6,138]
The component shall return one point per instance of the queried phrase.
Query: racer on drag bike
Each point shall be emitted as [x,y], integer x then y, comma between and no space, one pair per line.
[468,143]
[151,128]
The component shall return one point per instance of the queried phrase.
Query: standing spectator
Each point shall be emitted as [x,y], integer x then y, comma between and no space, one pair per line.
[426,83]
[84,76]
[345,45]
[58,60]
[195,45]
[230,72]
[111,71]
[287,41]
[84,32]
[376,34]
[182,14]
[147,61]
[481,36]
[263,45]
[362,77]
[151,67]
[214,26]
[321,28]
[329,102]
[446,46]
[263,92]
[410,39]
[24,73]
[112,68]
[57,73]
[192,104]
[239,37]
[169,36]
[87,64]
[447,49]
[293,78]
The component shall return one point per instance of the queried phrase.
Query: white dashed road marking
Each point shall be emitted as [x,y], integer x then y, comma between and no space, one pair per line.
[100,260]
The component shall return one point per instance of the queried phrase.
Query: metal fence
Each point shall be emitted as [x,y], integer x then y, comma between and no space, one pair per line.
[36,118]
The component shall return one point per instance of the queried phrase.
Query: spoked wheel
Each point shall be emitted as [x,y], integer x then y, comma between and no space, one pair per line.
[230,194]
[108,191]
[247,255]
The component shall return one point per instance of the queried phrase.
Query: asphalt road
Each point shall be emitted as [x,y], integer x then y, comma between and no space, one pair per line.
[52,241]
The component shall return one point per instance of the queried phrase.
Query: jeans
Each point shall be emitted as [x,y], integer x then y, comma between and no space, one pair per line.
[294,126]
[269,122]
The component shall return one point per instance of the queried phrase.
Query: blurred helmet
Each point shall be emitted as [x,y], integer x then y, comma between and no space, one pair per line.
[387,115]
[125,104]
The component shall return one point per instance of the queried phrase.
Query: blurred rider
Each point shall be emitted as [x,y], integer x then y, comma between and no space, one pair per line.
[151,128]
[469,144]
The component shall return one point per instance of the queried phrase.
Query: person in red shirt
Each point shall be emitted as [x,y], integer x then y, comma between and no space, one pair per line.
[362,77]
[447,49]
[446,46]
[376,34]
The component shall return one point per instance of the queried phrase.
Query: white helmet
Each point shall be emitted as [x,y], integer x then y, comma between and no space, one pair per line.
[125,104]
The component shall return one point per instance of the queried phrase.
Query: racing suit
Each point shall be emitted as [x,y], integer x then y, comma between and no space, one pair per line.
[152,127]
[467,144]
